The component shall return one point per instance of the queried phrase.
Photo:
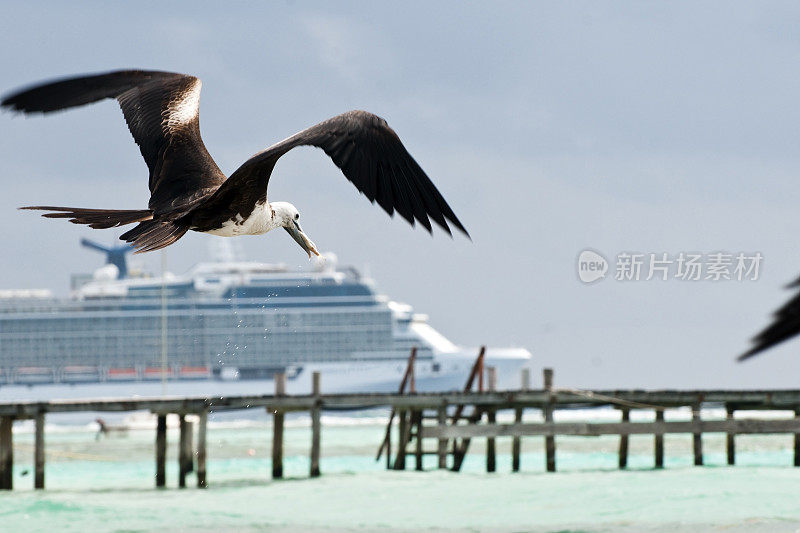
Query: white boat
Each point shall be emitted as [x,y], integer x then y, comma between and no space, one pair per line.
[230,325]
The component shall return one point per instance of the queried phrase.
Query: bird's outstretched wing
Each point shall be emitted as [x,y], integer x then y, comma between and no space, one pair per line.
[370,155]
[785,325]
[162,112]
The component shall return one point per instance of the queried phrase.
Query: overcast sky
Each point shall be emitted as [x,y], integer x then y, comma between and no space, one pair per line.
[550,128]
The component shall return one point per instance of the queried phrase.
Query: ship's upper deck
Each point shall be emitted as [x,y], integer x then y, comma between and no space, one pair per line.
[220,284]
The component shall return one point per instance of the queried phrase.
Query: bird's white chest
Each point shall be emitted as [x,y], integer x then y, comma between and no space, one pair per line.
[259,221]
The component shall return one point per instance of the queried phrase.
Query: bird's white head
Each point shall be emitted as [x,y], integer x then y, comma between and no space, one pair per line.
[288,217]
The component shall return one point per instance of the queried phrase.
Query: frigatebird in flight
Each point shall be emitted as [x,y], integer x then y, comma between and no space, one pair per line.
[188,191]
[784,326]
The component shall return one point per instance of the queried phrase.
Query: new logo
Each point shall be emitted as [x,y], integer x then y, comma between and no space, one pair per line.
[591,266]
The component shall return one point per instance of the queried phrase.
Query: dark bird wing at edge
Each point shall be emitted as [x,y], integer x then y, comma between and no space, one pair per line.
[371,156]
[785,325]
[162,112]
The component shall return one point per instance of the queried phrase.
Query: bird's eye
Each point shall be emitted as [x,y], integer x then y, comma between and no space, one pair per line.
[296,216]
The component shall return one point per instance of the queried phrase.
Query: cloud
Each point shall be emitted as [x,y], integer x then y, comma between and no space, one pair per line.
[345,46]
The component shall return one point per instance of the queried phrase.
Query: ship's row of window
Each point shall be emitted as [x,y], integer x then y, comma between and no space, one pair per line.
[46,342]
[181,359]
[126,337]
[192,321]
[188,335]
[27,351]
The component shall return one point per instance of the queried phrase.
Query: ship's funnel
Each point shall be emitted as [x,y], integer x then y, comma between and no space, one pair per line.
[115,255]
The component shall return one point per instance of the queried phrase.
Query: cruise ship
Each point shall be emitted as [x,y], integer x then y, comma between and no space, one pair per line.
[230,325]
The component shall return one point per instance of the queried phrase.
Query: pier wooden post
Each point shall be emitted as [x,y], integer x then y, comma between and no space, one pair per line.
[481,364]
[38,468]
[441,419]
[189,447]
[623,440]
[184,452]
[731,442]
[697,436]
[549,440]
[161,450]
[491,416]
[796,440]
[404,434]
[516,442]
[412,379]
[6,453]
[418,449]
[277,429]
[460,449]
[316,425]
[387,439]
[389,445]
[202,423]
[659,440]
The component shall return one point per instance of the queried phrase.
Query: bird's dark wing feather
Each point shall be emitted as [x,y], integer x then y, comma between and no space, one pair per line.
[370,155]
[161,109]
[785,325]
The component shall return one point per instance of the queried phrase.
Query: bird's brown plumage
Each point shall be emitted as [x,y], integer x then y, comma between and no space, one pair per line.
[188,190]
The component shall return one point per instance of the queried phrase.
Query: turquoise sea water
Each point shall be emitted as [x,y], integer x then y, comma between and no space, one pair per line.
[107,485]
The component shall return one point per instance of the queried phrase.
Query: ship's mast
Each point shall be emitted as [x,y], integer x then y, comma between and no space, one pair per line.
[163,322]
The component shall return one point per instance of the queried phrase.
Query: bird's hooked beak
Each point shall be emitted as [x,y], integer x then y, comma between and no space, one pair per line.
[301,238]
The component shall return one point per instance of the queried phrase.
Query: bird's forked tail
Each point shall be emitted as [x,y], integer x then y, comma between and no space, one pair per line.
[95,218]
[147,236]
[153,235]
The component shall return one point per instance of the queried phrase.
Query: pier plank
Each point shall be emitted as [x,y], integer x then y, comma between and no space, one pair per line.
[744,400]
[590,429]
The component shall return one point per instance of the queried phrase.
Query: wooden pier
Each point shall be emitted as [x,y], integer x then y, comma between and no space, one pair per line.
[448,420]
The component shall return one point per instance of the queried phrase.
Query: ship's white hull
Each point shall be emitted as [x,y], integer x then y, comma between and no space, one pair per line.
[444,372]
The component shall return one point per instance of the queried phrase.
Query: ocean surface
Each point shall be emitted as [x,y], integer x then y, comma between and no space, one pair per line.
[107,484]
